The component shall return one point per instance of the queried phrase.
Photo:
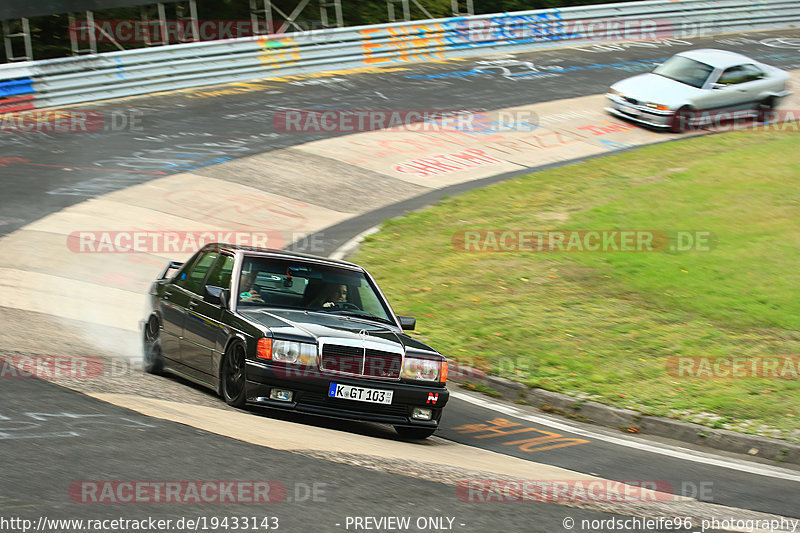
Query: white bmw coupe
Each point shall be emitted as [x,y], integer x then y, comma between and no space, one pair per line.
[697,84]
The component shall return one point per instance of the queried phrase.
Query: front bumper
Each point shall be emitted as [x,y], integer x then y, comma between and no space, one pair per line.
[638,113]
[310,395]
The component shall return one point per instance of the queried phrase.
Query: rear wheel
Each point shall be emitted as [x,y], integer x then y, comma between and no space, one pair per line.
[414,433]
[233,376]
[764,109]
[153,359]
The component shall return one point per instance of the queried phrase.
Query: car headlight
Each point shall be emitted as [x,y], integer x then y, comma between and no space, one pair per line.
[301,353]
[660,107]
[425,369]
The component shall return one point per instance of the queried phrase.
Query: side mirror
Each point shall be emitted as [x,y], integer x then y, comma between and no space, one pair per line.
[225,298]
[216,296]
[718,86]
[407,322]
[170,269]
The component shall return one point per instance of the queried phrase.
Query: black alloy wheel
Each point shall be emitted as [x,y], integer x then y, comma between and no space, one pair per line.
[233,376]
[153,359]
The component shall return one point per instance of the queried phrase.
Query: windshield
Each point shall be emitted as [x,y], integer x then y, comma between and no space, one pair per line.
[685,70]
[271,282]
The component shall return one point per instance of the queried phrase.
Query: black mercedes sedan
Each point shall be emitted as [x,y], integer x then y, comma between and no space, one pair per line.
[293,331]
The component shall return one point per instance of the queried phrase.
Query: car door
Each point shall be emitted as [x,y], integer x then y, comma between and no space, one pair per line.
[733,89]
[172,305]
[756,82]
[187,286]
[203,332]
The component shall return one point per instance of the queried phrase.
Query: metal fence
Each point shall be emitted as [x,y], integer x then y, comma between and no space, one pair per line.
[73,80]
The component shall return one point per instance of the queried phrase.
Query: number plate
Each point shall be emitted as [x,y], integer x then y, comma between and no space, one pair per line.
[628,110]
[360,394]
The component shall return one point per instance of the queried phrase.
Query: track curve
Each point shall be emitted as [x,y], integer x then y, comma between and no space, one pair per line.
[204,151]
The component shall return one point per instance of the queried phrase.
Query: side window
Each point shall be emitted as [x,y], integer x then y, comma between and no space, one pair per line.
[752,72]
[369,301]
[187,267]
[220,275]
[740,74]
[730,76]
[192,279]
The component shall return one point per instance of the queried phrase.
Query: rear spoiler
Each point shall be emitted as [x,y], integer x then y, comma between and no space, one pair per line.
[173,265]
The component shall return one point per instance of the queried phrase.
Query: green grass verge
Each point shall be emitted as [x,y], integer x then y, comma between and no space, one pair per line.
[604,325]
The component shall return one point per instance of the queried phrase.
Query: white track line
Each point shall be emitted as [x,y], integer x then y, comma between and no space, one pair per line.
[670,451]
[348,247]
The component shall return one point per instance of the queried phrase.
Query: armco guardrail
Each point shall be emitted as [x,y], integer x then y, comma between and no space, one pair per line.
[72,80]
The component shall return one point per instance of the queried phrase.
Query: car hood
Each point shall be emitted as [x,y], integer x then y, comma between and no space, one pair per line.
[306,326]
[656,89]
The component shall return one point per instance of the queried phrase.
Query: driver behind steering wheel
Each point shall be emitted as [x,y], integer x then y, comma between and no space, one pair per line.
[248,293]
[330,295]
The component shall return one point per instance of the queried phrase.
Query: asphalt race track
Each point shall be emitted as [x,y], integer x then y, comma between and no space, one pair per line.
[42,468]
[242,124]
[727,485]
[62,440]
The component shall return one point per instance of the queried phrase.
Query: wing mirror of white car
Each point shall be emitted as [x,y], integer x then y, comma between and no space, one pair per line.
[718,85]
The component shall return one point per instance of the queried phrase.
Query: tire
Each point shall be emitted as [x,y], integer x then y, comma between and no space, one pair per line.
[680,120]
[764,109]
[414,433]
[233,376]
[153,359]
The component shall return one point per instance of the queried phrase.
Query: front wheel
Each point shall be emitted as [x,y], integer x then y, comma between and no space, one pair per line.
[406,432]
[233,376]
[680,120]
[153,358]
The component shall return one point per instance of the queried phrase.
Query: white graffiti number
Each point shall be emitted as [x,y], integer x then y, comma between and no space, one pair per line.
[782,42]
